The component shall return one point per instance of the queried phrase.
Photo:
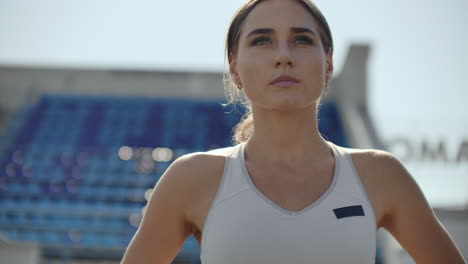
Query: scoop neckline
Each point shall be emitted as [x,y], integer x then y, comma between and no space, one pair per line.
[330,188]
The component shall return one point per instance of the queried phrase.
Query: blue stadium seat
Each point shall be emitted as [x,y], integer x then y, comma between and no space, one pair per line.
[50,238]
[63,181]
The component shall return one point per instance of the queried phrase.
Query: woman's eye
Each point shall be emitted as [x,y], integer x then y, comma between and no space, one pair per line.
[304,40]
[260,41]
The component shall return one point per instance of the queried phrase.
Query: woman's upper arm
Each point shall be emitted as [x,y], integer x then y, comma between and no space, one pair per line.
[164,228]
[411,220]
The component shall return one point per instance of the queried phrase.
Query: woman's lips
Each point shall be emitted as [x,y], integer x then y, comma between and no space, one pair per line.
[284,83]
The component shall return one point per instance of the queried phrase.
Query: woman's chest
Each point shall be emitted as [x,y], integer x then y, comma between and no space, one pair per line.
[247,229]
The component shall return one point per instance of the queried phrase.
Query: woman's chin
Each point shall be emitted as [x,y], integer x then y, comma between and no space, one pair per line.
[291,105]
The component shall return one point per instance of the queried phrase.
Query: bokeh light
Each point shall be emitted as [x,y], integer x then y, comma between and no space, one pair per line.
[148,193]
[162,154]
[135,219]
[125,153]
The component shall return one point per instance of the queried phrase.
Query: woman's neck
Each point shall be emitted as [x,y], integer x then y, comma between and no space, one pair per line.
[287,136]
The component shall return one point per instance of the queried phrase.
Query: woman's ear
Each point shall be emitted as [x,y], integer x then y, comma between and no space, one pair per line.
[233,70]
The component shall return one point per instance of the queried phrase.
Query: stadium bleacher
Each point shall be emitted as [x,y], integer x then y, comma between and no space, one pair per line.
[76,171]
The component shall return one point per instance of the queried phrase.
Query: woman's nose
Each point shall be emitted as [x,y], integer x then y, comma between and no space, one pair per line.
[284,56]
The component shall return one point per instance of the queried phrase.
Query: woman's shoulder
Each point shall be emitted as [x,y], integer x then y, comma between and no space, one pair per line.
[195,178]
[203,160]
[373,159]
[198,168]
[375,164]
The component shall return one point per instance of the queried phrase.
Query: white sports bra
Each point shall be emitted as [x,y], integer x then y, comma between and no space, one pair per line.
[243,226]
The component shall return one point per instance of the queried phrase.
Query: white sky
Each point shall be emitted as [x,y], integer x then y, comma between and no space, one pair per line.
[417,67]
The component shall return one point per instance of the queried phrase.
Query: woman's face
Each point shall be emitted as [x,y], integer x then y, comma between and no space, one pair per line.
[281,38]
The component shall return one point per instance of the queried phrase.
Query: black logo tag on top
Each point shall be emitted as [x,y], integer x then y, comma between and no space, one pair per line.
[348,211]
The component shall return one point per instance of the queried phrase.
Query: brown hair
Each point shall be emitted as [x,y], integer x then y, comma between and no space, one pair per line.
[244,128]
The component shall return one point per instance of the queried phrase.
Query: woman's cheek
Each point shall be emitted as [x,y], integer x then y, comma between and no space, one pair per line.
[252,85]
[251,74]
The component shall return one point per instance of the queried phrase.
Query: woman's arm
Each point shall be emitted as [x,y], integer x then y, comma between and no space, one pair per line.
[411,220]
[164,228]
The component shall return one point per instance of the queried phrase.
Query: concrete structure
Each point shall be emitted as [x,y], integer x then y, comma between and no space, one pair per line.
[19,252]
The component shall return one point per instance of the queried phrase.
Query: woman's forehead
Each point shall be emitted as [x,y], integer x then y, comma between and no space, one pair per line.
[278,15]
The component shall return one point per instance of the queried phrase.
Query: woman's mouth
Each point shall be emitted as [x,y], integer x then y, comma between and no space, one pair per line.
[284,81]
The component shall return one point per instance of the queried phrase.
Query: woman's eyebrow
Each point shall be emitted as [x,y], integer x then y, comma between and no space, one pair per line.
[302,30]
[270,30]
[260,31]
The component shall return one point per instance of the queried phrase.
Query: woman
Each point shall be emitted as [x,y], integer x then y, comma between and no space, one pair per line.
[283,194]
